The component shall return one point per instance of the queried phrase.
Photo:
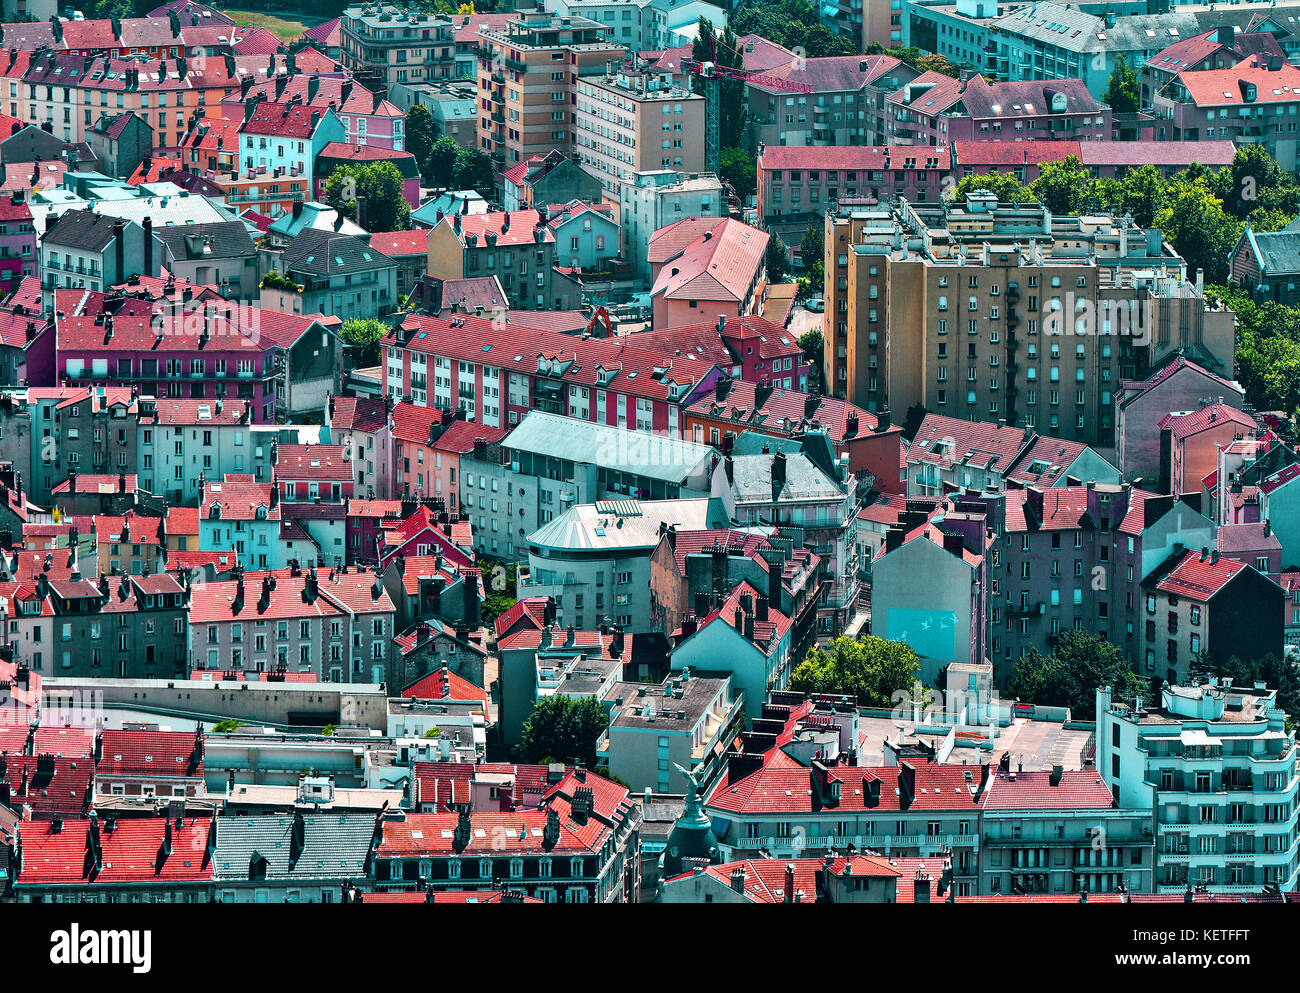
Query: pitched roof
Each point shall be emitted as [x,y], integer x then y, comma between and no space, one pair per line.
[1195,578]
[164,754]
[949,441]
[1184,424]
[284,120]
[400,243]
[1075,789]
[725,259]
[132,852]
[330,846]
[317,463]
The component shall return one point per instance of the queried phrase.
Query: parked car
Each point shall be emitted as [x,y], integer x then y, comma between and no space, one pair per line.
[815,304]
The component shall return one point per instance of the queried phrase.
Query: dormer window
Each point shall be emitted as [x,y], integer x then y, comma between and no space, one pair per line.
[215,511]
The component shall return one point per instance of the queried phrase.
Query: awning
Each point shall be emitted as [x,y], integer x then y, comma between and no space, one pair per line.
[1198,737]
[720,826]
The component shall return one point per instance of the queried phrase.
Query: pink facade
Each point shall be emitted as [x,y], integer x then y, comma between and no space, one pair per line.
[17,244]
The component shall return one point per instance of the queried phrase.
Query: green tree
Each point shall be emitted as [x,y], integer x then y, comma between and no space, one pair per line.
[228,726]
[370,194]
[813,345]
[421,133]
[740,170]
[937,63]
[562,728]
[1123,93]
[1143,195]
[1070,675]
[473,171]
[812,249]
[363,335]
[1277,674]
[1201,231]
[778,265]
[500,583]
[1003,185]
[1061,186]
[441,169]
[870,668]
[1252,173]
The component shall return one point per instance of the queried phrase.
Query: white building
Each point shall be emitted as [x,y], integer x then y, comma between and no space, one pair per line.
[1218,767]
[181,440]
[653,200]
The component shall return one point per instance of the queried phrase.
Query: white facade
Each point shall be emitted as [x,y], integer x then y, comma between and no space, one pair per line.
[1218,767]
[652,200]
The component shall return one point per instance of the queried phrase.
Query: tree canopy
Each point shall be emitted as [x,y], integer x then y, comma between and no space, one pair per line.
[1123,93]
[363,335]
[421,133]
[741,171]
[1003,185]
[778,265]
[870,668]
[1070,675]
[563,728]
[370,194]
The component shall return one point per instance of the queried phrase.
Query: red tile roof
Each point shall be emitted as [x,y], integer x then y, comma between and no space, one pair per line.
[130,853]
[49,784]
[314,463]
[523,228]
[239,498]
[1227,87]
[530,611]
[399,243]
[767,634]
[283,120]
[165,754]
[949,441]
[460,436]
[1195,578]
[1184,424]
[1076,790]
[443,684]
[363,414]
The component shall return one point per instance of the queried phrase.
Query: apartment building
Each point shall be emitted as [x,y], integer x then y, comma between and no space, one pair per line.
[183,354]
[528,75]
[236,512]
[497,373]
[548,179]
[1198,603]
[825,101]
[822,500]
[593,559]
[934,109]
[512,485]
[337,626]
[368,119]
[798,182]
[81,249]
[69,92]
[1217,766]
[284,138]
[85,429]
[930,588]
[180,441]
[386,45]
[990,311]
[634,119]
[1251,102]
[517,247]
[18,257]
[651,200]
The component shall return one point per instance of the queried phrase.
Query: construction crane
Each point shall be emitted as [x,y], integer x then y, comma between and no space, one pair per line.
[600,315]
[712,74]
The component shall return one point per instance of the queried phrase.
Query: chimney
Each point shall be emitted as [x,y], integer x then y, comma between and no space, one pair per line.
[788,896]
[738,879]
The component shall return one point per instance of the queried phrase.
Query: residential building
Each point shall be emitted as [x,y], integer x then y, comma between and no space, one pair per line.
[334,626]
[633,119]
[1190,441]
[934,109]
[240,514]
[930,588]
[18,258]
[519,248]
[1005,297]
[1267,264]
[93,251]
[388,45]
[703,270]
[285,138]
[655,199]
[600,553]
[586,237]
[547,179]
[498,372]
[798,182]
[508,832]
[793,490]
[120,143]
[329,272]
[1140,406]
[528,75]
[220,255]
[655,731]
[512,484]
[824,101]
[1217,766]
